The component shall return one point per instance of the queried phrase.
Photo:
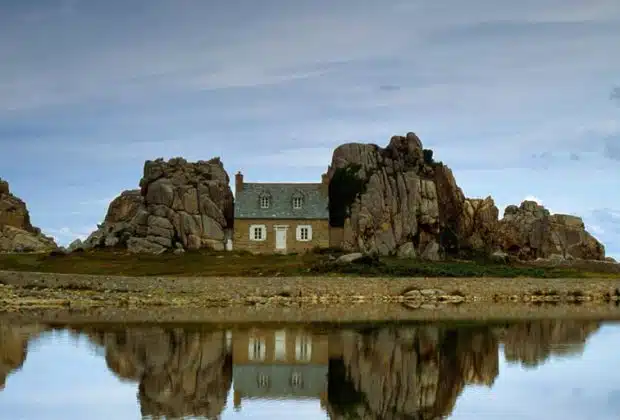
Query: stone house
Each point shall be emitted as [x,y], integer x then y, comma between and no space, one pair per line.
[279,364]
[280,217]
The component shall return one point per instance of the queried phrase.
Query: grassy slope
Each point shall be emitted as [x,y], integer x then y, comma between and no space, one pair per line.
[112,262]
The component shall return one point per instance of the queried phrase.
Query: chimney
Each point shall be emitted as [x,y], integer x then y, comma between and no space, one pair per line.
[325,183]
[238,182]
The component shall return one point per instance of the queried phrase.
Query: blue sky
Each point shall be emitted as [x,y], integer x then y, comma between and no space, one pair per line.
[65,377]
[518,98]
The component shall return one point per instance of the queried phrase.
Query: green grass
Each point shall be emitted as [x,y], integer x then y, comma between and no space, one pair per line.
[206,263]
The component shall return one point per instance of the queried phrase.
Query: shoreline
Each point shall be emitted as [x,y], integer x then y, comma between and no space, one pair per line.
[92,298]
[319,316]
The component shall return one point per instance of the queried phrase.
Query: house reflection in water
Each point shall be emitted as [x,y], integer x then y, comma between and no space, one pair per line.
[279,364]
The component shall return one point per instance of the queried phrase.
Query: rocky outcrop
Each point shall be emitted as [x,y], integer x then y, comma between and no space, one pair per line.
[397,200]
[180,205]
[415,373]
[16,231]
[180,373]
[530,231]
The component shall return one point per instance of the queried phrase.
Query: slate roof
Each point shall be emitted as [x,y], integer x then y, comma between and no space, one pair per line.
[314,204]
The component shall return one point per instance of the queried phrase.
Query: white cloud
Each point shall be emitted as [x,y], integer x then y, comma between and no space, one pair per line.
[65,235]
[487,86]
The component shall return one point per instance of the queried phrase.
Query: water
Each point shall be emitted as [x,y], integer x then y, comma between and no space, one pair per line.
[531,370]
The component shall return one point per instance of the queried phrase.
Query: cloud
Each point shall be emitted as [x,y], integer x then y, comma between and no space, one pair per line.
[252,83]
[65,235]
[615,94]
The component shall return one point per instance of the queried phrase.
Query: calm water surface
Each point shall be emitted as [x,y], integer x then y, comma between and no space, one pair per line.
[552,369]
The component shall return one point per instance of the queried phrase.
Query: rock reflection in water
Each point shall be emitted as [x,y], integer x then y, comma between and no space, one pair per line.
[412,372]
[180,373]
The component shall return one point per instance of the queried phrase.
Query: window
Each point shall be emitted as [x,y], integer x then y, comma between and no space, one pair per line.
[280,347]
[303,348]
[264,201]
[304,233]
[256,349]
[296,380]
[262,380]
[258,232]
[297,202]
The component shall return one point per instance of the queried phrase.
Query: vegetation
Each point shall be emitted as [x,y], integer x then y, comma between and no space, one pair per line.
[428,156]
[344,187]
[236,264]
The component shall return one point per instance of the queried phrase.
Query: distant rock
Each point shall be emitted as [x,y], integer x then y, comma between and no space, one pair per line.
[529,232]
[16,231]
[180,205]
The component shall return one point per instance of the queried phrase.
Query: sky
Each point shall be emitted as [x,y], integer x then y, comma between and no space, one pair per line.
[520,99]
[65,377]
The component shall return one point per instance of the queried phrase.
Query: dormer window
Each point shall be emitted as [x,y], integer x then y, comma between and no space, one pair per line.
[297,202]
[265,201]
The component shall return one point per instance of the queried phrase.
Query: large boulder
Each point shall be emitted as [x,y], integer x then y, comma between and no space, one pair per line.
[395,198]
[180,205]
[17,234]
[530,231]
[398,201]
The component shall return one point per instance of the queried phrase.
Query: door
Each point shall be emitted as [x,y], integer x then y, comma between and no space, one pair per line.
[281,238]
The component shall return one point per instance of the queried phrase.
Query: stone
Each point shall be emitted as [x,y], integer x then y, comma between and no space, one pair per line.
[406,250]
[499,256]
[180,205]
[17,234]
[431,252]
[530,231]
[349,258]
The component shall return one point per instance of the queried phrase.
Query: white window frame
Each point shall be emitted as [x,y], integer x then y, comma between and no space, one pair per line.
[300,229]
[298,202]
[280,345]
[265,201]
[263,380]
[263,229]
[257,348]
[297,380]
[303,348]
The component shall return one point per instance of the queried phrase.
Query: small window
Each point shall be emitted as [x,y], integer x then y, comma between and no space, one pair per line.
[296,380]
[303,348]
[304,233]
[297,202]
[262,380]
[258,232]
[256,349]
[265,202]
[280,345]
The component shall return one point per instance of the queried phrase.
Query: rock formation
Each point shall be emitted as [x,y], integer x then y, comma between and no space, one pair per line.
[16,232]
[180,373]
[530,231]
[397,200]
[180,205]
[412,373]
